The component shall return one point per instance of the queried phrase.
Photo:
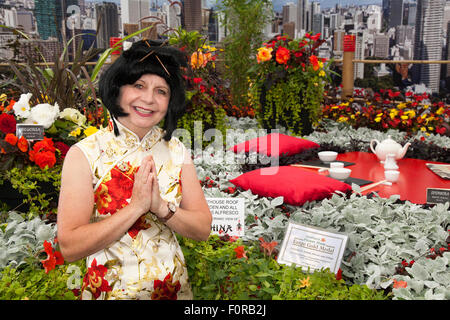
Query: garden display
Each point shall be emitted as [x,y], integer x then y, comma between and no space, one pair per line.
[395,249]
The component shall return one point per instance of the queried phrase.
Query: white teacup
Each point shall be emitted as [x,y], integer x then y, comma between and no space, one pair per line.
[391,175]
[340,173]
[336,164]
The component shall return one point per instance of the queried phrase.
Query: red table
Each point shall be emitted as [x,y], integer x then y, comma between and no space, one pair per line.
[412,184]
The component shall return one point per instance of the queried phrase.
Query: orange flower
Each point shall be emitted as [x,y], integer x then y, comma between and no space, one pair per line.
[400,284]
[11,139]
[264,54]
[22,144]
[282,55]
[314,62]
[198,60]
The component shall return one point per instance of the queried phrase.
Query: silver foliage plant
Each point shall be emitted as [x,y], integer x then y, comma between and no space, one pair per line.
[21,239]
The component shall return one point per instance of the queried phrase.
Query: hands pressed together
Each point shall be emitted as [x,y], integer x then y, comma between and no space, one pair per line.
[145,184]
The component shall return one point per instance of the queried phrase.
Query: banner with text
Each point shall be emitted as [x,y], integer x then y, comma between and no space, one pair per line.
[228,216]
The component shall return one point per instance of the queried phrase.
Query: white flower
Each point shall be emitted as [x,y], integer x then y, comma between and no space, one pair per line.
[73,115]
[22,107]
[44,114]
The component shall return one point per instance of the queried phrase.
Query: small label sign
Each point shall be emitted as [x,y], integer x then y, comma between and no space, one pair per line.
[31,132]
[312,248]
[228,216]
[436,195]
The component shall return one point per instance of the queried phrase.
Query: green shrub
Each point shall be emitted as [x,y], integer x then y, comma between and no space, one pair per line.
[225,270]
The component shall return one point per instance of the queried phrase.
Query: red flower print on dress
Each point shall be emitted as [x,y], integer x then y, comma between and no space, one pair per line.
[94,280]
[112,195]
[167,289]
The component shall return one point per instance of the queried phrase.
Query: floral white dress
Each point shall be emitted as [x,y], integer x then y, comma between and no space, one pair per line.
[147,261]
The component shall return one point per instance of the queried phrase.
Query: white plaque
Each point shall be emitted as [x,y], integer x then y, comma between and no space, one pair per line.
[228,216]
[312,247]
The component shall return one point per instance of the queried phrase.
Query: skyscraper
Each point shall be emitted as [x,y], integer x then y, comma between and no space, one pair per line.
[427,44]
[134,10]
[395,13]
[50,17]
[192,15]
[108,23]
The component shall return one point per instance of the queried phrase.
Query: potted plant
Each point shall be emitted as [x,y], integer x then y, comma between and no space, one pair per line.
[287,83]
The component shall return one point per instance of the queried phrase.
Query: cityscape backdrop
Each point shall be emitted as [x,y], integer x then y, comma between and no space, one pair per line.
[384,29]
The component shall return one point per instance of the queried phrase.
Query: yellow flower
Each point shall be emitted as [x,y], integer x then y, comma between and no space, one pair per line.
[90,130]
[75,132]
[342,119]
[321,73]
[2,97]
[423,129]
[378,119]
[404,117]
[430,128]
[264,54]
[380,114]
[410,113]
[401,105]
[304,283]
[426,106]
[353,116]
[440,111]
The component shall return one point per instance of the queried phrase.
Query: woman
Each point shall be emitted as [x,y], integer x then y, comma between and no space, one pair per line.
[126,189]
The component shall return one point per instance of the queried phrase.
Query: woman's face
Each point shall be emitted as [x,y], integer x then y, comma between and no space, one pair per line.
[146,102]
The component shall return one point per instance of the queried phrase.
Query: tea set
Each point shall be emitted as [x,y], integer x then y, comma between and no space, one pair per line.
[387,151]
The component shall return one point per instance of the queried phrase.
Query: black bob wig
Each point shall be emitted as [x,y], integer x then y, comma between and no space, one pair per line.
[146,57]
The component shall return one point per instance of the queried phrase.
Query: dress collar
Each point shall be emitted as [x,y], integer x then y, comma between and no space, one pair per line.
[131,139]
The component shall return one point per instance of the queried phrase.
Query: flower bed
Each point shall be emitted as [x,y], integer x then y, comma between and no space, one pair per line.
[389,109]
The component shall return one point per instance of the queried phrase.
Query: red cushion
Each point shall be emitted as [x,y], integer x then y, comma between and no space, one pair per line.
[283,145]
[296,185]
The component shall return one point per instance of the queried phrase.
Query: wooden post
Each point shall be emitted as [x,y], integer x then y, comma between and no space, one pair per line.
[347,67]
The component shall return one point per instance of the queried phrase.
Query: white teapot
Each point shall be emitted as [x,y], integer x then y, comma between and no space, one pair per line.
[388,146]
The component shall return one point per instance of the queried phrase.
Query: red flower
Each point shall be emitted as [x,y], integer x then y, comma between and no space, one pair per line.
[339,274]
[22,144]
[282,56]
[62,147]
[197,80]
[45,159]
[167,289]
[7,123]
[94,279]
[53,258]
[11,139]
[400,284]
[240,252]
[441,130]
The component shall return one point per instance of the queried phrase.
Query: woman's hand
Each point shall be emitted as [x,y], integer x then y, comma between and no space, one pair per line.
[145,195]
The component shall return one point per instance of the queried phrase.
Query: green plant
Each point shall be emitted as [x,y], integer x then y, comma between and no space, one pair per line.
[39,188]
[244,22]
[32,283]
